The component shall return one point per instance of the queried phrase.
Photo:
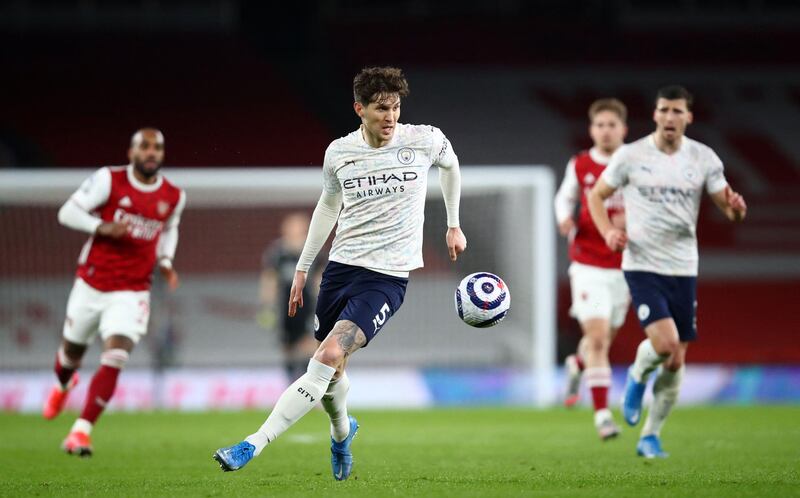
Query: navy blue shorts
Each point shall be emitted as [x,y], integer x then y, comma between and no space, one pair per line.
[364,297]
[657,296]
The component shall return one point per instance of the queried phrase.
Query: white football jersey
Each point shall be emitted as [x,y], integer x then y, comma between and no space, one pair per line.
[383,192]
[662,199]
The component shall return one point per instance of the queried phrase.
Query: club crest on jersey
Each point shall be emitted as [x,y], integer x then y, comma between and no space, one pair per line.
[405,155]
[589,179]
[689,173]
[125,202]
[162,207]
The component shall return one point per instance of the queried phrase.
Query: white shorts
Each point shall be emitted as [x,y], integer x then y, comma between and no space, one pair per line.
[598,293]
[111,313]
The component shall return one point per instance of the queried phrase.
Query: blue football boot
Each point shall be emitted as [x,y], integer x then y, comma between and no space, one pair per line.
[632,400]
[234,457]
[650,447]
[341,457]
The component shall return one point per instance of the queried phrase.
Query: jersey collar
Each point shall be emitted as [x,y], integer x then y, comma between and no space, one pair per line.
[363,141]
[652,140]
[598,156]
[143,187]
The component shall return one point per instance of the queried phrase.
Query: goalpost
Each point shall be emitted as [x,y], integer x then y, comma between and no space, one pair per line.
[232,216]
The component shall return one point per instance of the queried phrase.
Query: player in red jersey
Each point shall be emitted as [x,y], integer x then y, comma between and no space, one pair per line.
[600,297]
[132,213]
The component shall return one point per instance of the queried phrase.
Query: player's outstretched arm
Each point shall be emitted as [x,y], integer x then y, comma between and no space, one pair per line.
[730,203]
[615,238]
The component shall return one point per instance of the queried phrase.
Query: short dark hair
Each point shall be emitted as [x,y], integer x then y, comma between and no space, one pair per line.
[675,92]
[614,105]
[374,84]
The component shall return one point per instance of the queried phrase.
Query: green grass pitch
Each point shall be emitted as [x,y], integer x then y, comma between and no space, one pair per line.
[720,451]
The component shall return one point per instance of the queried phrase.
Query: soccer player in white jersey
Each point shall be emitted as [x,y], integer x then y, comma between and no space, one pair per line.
[662,177]
[379,174]
[600,296]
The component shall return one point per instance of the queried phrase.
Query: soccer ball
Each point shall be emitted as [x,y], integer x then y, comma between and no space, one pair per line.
[482,299]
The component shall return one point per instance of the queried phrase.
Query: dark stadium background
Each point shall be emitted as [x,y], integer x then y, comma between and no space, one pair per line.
[249,83]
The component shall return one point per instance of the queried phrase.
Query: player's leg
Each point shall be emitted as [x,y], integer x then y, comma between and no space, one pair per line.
[80,327]
[683,306]
[330,303]
[371,306]
[334,402]
[123,321]
[597,332]
[662,341]
[68,360]
[343,426]
[116,351]
[649,292]
[665,393]
[574,365]
[329,360]
[300,397]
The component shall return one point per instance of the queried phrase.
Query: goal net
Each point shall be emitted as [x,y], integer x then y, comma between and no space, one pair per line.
[216,320]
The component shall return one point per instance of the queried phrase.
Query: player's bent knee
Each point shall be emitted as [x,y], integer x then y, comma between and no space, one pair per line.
[598,344]
[675,361]
[115,358]
[330,354]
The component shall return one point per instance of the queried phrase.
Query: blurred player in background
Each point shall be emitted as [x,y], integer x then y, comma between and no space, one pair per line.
[132,214]
[662,177]
[600,296]
[279,263]
[380,174]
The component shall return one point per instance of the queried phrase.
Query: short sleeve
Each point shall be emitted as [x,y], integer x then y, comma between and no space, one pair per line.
[330,183]
[94,191]
[715,175]
[616,173]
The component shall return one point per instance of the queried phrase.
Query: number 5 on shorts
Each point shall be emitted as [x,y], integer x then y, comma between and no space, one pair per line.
[380,318]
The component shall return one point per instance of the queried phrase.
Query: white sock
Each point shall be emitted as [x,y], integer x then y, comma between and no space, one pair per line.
[335,403]
[647,360]
[297,400]
[82,425]
[665,394]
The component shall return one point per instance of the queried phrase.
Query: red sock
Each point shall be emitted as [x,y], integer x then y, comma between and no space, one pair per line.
[100,391]
[579,361]
[598,379]
[600,397]
[63,372]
